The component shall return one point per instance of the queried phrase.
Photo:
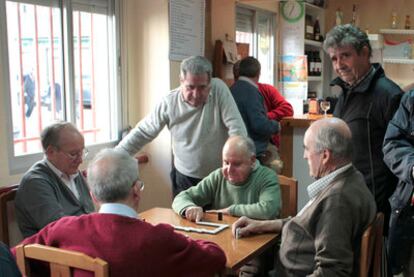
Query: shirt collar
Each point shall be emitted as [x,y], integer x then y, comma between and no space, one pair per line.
[119,209]
[246,79]
[60,173]
[319,185]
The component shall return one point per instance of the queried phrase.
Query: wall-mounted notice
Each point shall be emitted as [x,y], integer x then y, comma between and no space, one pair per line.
[186,28]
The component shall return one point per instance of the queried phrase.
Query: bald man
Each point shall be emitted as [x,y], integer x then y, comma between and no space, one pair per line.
[241,187]
[324,238]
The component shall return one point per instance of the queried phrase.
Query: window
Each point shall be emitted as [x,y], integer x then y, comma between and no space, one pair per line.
[62,66]
[257,29]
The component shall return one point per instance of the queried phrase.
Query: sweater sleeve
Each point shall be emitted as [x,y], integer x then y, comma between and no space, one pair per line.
[188,257]
[398,143]
[199,195]
[146,130]
[269,203]
[229,112]
[278,106]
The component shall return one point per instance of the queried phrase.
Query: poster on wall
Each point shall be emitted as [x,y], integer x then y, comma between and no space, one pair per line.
[292,27]
[293,80]
[186,28]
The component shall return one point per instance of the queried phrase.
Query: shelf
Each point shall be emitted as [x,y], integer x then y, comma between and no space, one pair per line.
[315,78]
[313,7]
[397,31]
[313,43]
[399,61]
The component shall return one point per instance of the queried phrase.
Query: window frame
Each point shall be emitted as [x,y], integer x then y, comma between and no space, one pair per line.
[20,164]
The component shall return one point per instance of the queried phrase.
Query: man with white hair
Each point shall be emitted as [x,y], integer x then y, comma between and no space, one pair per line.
[201,114]
[131,246]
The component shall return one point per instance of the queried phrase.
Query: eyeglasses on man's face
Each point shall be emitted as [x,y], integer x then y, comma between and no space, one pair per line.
[76,154]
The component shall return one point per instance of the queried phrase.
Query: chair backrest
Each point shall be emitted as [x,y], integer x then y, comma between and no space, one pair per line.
[61,261]
[371,248]
[289,190]
[9,231]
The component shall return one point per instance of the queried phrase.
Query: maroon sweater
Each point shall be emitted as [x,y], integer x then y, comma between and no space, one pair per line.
[132,247]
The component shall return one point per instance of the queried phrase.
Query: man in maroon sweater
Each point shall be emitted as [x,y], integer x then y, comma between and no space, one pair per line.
[116,234]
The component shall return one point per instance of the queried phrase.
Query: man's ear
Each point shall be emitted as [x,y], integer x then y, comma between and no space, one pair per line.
[364,51]
[326,156]
[50,150]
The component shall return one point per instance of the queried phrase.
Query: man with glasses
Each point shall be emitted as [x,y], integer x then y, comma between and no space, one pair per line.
[132,247]
[201,114]
[54,187]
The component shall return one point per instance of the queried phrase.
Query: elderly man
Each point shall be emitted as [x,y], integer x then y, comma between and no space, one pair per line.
[241,187]
[131,246]
[367,103]
[201,115]
[53,187]
[251,106]
[399,156]
[324,238]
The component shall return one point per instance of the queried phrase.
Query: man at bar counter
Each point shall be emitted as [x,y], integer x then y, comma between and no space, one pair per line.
[367,103]
[201,114]
[324,238]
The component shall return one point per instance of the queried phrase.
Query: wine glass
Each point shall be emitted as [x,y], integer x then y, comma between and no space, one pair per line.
[325,106]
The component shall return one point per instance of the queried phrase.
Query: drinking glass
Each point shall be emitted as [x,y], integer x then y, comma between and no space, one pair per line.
[325,106]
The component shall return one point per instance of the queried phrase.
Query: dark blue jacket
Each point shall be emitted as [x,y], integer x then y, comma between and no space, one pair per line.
[251,107]
[399,157]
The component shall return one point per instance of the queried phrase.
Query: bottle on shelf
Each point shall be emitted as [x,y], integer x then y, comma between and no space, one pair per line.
[339,16]
[317,30]
[354,15]
[407,24]
[318,64]
[309,27]
[394,20]
[311,64]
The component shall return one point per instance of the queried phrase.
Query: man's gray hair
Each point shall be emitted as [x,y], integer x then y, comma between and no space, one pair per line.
[111,175]
[196,65]
[347,35]
[334,139]
[50,134]
[245,143]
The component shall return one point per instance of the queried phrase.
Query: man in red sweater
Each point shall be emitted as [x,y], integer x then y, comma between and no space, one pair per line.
[275,104]
[116,234]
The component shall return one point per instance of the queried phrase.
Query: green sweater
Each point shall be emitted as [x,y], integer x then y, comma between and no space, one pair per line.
[258,197]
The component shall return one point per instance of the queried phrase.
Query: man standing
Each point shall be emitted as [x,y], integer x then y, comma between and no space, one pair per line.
[324,238]
[399,156]
[241,187]
[201,114]
[131,246]
[250,103]
[367,103]
[54,187]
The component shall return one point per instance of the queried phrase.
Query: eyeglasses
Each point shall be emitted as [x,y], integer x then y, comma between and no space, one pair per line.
[75,155]
[140,184]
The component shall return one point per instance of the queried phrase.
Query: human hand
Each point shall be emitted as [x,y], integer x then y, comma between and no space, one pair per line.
[194,213]
[246,227]
[250,269]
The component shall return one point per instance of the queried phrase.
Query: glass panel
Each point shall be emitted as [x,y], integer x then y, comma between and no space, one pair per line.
[265,46]
[93,78]
[35,63]
[244,27]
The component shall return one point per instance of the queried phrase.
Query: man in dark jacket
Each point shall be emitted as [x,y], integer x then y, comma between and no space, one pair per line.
[399,156]
[367,103]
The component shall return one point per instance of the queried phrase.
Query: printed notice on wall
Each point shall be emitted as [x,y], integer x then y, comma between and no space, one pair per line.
[186,28]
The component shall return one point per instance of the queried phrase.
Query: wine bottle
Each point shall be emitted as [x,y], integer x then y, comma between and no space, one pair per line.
[317,30]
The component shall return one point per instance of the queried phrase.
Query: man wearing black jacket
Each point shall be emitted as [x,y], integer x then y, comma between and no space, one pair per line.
[367,103]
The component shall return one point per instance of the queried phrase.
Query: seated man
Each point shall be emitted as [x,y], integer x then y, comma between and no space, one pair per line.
[251,106]
[324,238]
[131,246]
[53,187]
[241,187]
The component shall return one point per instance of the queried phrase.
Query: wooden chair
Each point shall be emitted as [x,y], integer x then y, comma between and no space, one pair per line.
[289,190]
[371,248]
[60,260]
[9,231]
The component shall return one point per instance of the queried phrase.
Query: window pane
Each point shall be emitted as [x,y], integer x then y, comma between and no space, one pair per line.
[35,63]
[265,47]
[93,76]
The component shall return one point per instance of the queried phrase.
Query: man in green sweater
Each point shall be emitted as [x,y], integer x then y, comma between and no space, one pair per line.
[241,187]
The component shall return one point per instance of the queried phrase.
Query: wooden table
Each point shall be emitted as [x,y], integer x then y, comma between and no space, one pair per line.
[238,251]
